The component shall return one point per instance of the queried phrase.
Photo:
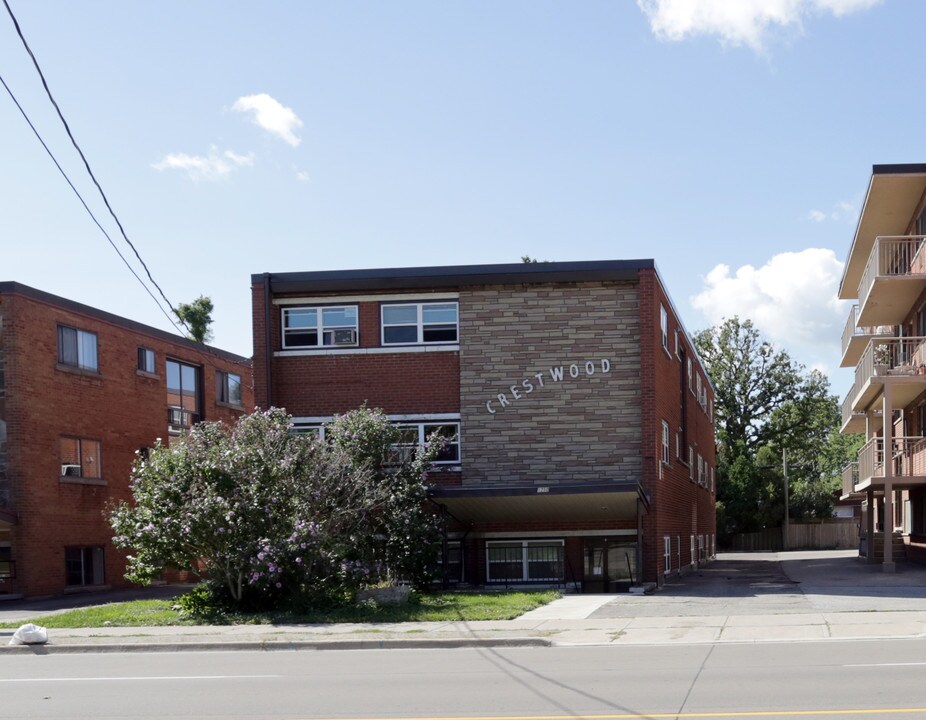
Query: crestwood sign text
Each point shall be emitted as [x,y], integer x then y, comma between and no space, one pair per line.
[555,374]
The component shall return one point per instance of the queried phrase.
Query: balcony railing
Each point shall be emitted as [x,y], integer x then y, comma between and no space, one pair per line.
[892,256]
[852,330]
[849,478]
[907,458]
[889,357]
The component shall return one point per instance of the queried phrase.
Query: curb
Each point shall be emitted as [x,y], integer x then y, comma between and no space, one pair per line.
[276,645]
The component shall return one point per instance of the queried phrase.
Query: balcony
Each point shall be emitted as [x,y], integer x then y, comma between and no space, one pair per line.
[908,464]
[855,339]
[856,422]
[892,280]
[900,362]
[849,479]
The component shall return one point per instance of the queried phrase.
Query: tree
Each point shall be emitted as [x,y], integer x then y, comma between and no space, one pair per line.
[531,261]
[197,316]
[763,402]
[268,517]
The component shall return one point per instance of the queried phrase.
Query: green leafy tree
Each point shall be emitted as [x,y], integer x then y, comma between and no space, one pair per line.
[268,517]
[764,401]
[532,261]
[197,316]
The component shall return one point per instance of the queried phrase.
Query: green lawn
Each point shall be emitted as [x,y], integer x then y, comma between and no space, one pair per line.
[431,607]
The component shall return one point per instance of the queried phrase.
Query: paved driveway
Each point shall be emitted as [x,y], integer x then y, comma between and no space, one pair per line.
[776,583]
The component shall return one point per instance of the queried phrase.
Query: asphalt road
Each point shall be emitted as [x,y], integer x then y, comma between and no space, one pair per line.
[875,680]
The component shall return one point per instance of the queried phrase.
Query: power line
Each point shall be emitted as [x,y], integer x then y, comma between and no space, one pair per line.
[86,207]
[87,166]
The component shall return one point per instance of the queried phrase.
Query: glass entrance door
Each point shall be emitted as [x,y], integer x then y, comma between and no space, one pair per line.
[609,565]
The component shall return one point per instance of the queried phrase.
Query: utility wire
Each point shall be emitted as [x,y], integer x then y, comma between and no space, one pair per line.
[82,202]
[87,165]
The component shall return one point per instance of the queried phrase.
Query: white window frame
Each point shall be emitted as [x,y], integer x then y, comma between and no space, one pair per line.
[422,428]
[691,475]
[665,443]
[677,348]
[667,554]
[664,327]
[701,548]
[83,468]
[320,327]
[420,324]
[525,562]
[690,383]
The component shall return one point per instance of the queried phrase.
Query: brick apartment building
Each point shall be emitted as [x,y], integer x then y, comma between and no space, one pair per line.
[581,445]
[885,340]
[81,391]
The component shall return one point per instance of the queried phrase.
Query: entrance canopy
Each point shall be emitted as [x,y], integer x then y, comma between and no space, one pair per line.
[563,503]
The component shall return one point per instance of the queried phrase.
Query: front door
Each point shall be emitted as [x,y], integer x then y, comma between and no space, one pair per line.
[609,566]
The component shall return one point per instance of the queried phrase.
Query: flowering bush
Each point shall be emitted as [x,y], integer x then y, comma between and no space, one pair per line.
[273,517]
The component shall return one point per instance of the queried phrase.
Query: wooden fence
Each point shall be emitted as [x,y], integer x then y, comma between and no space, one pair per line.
[833,535]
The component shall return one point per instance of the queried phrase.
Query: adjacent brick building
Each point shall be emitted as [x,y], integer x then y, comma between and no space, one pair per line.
[579,414]
[81,391]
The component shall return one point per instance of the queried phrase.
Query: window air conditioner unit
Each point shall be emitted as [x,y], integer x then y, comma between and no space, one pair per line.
[345,337]
[70,470]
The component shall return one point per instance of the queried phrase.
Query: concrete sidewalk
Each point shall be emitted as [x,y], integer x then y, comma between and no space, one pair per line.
[783,597]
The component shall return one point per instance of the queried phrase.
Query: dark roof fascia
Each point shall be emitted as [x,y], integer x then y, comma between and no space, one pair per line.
[899,169]
[15,288]
[415,278]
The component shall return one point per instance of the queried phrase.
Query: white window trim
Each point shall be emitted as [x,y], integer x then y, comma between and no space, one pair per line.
[319,327]
[664,327]
[665,443]
[391,349]
[422,438]
[691,475]
[667,554]
[420,323]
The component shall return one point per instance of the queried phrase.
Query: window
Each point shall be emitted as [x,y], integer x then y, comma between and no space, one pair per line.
[664,327]
[77,348]
[146,360]
[420,323]
[690,463]
[228,388]
[525,561]
[711,479]
[452,571]
[183,401]
[311,327]
[702,480]
[702,398]
[83,566]
[80,458]
[7,564]
[413,436]
[701,547]
[665,442]
[667,554]
[317,430]
[690,385]
[677,346]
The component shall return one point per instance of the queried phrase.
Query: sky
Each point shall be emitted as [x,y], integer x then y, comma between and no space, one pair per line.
[730,141]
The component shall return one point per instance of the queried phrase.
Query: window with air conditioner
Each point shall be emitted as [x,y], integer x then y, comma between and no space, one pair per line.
[80,458]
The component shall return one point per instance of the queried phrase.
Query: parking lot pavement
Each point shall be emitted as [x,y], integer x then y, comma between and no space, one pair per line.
[779,583]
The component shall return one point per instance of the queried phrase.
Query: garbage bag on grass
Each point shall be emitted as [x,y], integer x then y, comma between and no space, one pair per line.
[30,634]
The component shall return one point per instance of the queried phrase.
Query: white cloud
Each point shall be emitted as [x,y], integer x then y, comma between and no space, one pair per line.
[791,299]
[271,115]
[817,215]
[738,22]
[213,167]
[302,176]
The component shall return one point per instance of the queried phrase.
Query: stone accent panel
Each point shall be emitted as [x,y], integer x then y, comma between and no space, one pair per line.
[583,428]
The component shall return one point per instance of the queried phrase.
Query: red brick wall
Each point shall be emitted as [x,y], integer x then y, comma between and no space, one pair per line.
[679,506]
[118,406]
[322,384]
